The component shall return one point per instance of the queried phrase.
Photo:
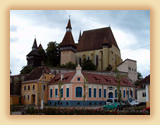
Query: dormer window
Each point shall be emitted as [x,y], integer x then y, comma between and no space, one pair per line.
[78,79]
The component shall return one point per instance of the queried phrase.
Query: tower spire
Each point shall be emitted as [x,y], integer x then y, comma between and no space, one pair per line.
[79,36]
[69,28]
[34,44]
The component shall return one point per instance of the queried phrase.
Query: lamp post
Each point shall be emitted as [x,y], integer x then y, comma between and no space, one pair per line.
[42,89]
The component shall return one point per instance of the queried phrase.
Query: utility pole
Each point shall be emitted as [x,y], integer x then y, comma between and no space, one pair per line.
[42,89]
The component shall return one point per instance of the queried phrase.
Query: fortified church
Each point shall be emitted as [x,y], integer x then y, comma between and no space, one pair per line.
[98,45]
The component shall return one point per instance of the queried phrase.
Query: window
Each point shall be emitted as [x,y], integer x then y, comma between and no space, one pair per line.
[88,58]
[33,87]
[61,92]
[95,92]
[127,94]
[24,87]
[90,92]
[115,93]
[78,91]
[28,87]
[131,93]
[104,93]
[96,60]
[24,97]
[67,92]
[144,94]
[56,93]
[28,97]
[50,93]
[99,93]
[44,87]
[124,94]
[78,79]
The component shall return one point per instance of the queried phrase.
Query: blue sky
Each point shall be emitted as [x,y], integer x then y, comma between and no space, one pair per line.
[131,29]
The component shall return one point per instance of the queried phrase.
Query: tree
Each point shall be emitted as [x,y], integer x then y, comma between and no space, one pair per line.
[118,77]
[26,69]
[108,68]
[84,89]
[59,89]
[68,65]
[139,76]
[88,65]
[43,54]
[53,54]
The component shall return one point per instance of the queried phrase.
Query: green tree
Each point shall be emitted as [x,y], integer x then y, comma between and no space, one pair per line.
[139,76]
[59,89]
[108,68]
[26,69]
[68,65]
[88,65]
[118,77]
[43,54]
[53,54]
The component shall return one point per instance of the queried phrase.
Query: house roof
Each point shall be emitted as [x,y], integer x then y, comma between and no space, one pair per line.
[146,80]
[92,78]
[37,73]
[40,46]
[94,39]
[126,60]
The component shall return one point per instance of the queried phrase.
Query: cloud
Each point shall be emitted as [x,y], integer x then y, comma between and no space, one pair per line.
[131,29]
[13,28]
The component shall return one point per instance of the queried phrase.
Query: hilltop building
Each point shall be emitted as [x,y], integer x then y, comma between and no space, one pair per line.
[34,58]
[98,45]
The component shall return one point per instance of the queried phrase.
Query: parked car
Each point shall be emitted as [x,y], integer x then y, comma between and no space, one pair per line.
[112,103]
[133,103]
[110,106]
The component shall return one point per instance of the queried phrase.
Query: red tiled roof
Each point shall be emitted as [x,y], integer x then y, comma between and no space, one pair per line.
[146,80]
[92,78]
[37,73]
[67,77]
[94,39]
[108,80]
[68,40]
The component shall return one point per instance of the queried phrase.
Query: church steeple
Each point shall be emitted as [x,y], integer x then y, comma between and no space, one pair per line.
[34,44]
[69,28]
[79,36]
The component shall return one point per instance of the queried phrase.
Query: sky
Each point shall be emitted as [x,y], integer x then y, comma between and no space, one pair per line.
[131,29]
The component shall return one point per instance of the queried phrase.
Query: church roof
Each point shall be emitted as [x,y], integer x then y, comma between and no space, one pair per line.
[69,24]
[40,46]
[34,44]
[34,53]
[94,39]
[68,40]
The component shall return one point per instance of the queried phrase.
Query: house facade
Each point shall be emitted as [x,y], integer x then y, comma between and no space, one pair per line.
[129,66]
[98,45]
[98,88]
[34,88]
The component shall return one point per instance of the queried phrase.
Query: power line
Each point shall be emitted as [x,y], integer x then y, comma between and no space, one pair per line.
[135,49]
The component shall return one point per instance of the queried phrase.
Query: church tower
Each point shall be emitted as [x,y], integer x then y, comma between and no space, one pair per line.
[67,46]
[34,59]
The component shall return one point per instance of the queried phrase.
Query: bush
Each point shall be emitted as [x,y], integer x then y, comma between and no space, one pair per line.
[68,65]
[88,65]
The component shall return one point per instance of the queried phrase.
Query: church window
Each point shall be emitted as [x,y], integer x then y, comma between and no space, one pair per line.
[96,60]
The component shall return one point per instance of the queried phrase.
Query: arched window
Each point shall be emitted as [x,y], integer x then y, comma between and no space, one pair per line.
[110,94]
[96,60]
[78,91]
